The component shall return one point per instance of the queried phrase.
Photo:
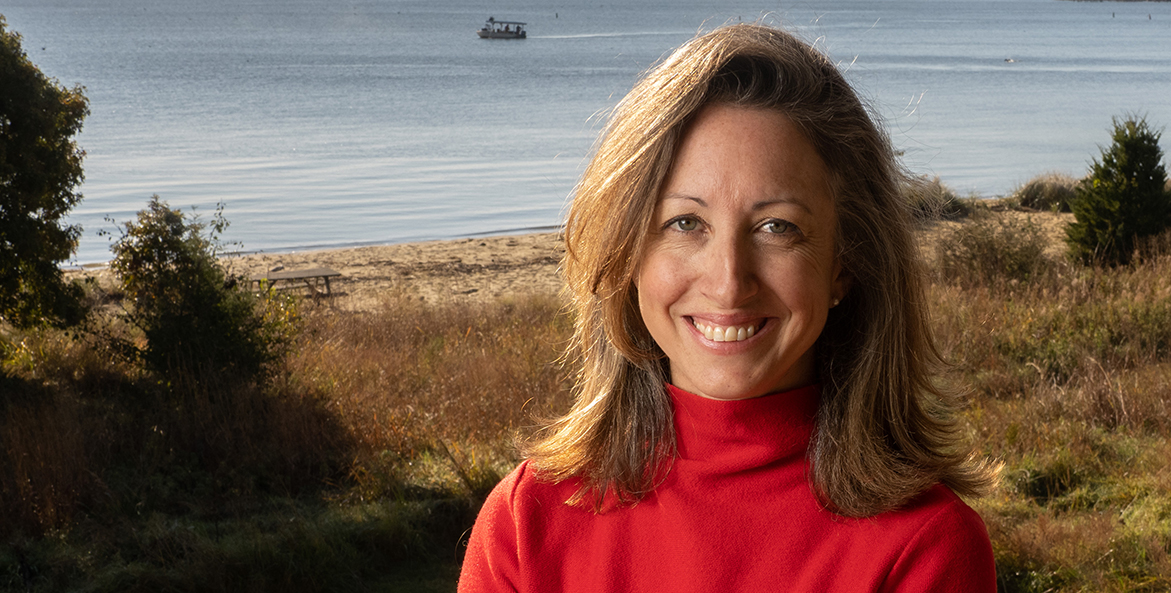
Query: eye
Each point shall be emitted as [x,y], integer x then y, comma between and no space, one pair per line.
[777,226]
[683,223]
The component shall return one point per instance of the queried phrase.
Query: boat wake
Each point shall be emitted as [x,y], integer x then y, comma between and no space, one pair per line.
[625,34]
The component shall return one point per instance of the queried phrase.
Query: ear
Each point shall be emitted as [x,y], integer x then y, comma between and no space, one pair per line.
[842,280]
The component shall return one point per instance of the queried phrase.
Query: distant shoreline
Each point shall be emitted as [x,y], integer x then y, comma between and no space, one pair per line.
[479,269]
[446,270]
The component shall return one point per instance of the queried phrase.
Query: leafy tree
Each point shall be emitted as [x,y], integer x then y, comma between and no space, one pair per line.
[40,170]
[1123,199]
[188,307]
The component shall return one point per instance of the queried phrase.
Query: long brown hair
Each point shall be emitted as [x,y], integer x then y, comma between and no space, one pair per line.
[885,430]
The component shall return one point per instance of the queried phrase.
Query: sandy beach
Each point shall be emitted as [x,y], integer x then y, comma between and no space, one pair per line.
[478,269]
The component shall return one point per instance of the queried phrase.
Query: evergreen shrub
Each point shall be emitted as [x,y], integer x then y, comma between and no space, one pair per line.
[1124,199]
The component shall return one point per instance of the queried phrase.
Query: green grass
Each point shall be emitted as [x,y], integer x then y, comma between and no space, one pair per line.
[290,546]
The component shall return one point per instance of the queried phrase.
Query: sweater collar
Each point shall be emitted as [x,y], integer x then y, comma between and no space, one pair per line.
[747,433]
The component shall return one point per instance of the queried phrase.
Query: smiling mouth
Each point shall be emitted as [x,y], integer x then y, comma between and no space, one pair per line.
[731,333]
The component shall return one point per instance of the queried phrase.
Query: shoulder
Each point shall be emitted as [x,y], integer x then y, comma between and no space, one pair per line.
[522,490]
[947,549]
[491,562]
[506,501]
[939,504]
[505,491]
[511,519]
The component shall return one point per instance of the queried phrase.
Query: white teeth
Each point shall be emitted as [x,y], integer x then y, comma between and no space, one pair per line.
[725,334]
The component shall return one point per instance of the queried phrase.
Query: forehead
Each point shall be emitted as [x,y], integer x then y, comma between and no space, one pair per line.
[748,155]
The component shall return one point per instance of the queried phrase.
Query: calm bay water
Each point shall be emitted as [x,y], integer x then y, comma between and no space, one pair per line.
[321,123]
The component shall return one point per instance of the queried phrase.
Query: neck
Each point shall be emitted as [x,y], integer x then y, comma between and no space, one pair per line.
[744,433]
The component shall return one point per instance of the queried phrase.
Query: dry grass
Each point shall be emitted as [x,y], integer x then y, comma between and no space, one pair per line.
[1071,323]
[84,433]
[47,468]
[931,199]
[383,429]
[1050,191]
[993,249]
[48,454]
[410,375]
[1070,375]
[425,388]
[368,448]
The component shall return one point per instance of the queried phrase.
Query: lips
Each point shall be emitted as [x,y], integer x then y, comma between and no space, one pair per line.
[727,333]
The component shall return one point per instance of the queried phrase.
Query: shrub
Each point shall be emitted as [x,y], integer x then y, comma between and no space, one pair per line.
[991,249]
[1124,198]
[1051,191]
[932,200]
[188,308]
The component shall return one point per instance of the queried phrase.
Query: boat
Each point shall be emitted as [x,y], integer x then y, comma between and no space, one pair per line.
[494,29]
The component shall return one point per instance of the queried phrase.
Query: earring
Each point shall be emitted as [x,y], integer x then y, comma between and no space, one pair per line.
[834,303]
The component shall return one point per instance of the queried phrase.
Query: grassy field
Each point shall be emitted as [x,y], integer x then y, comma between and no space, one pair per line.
[1069,370]
[359,463]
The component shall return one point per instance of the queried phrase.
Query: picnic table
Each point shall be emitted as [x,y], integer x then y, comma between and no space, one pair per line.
[313,279]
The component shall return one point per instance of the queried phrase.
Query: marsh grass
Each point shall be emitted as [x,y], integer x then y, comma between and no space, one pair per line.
[1073,323]
[1069,372]
[287,546]
[434,396]
[358,465]
[362,458]
[992,250]
[50,455]
[931,199]
[410,376]
[1052,192]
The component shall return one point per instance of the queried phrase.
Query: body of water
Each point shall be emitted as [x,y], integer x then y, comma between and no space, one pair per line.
[326,123]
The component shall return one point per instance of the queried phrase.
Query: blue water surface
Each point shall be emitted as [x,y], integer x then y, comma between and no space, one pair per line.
[321,123]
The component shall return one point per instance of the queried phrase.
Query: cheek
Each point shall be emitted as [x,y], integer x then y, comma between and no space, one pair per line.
[658,285]
[660,281]
[800,286]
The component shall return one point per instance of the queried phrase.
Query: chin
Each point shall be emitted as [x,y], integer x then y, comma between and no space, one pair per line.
[727,390]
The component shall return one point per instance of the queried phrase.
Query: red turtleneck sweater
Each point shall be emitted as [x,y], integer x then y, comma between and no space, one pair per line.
[735,513]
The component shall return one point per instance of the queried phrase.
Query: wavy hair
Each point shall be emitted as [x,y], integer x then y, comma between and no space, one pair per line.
[885,430]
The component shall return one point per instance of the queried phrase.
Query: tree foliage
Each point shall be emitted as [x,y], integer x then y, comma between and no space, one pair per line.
[1124,198]
[40,170]
[193,317]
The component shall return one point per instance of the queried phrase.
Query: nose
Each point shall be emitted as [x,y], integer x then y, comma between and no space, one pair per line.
[728,271]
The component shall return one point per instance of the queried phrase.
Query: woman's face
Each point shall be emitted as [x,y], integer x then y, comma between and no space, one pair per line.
[740,269]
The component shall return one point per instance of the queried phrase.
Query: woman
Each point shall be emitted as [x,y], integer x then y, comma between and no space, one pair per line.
[755,409]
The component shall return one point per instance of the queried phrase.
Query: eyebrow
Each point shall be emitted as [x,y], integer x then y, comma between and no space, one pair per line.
[756,206]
